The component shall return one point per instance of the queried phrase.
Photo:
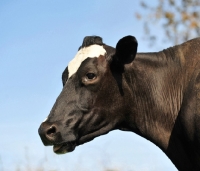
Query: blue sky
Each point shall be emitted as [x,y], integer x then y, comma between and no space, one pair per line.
[37,40]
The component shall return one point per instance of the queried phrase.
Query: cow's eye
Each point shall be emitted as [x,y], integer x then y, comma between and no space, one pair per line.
[90,76]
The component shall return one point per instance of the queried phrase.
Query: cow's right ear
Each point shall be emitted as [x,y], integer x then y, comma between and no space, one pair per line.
[126,50]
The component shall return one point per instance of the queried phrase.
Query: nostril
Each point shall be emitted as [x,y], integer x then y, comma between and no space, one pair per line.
[48,133]
[51,131]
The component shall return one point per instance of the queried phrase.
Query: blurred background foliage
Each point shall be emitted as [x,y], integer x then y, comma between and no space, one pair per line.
[179,20]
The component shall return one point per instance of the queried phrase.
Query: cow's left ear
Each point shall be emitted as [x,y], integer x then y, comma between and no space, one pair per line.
[126,50]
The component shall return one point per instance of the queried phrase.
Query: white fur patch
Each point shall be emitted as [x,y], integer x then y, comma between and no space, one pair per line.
[90,51]
[45,119]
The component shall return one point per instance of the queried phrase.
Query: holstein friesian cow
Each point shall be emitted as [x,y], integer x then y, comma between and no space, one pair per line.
[155,95]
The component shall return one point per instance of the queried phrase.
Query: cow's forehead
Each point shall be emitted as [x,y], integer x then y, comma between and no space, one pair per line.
[90,51]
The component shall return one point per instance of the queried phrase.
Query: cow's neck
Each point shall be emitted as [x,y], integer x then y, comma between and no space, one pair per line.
[156,99]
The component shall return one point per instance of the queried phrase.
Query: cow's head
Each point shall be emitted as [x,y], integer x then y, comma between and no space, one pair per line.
[92,101]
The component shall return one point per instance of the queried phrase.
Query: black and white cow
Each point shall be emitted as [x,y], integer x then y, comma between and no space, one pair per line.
[155,95]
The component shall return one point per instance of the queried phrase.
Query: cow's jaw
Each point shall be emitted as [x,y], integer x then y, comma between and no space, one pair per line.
[91,136]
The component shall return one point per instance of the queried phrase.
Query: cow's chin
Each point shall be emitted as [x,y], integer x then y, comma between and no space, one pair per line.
[64,148]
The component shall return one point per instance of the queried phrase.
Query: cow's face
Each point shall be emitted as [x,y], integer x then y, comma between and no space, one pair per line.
[91,103]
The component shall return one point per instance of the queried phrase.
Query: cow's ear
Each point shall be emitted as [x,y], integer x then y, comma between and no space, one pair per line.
[126,50]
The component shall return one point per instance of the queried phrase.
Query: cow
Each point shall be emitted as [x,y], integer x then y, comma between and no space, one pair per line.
[155,95]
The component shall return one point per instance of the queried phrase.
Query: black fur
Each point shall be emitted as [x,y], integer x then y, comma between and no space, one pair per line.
[65,76]
[91,40]
[156,95]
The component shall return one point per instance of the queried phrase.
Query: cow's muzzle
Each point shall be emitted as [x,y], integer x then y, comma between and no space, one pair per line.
[48,133]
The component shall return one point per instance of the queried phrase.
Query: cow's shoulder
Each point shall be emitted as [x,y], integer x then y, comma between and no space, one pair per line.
[190,46]
[186,54]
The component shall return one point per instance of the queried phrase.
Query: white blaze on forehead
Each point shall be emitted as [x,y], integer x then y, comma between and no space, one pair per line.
[90,51]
